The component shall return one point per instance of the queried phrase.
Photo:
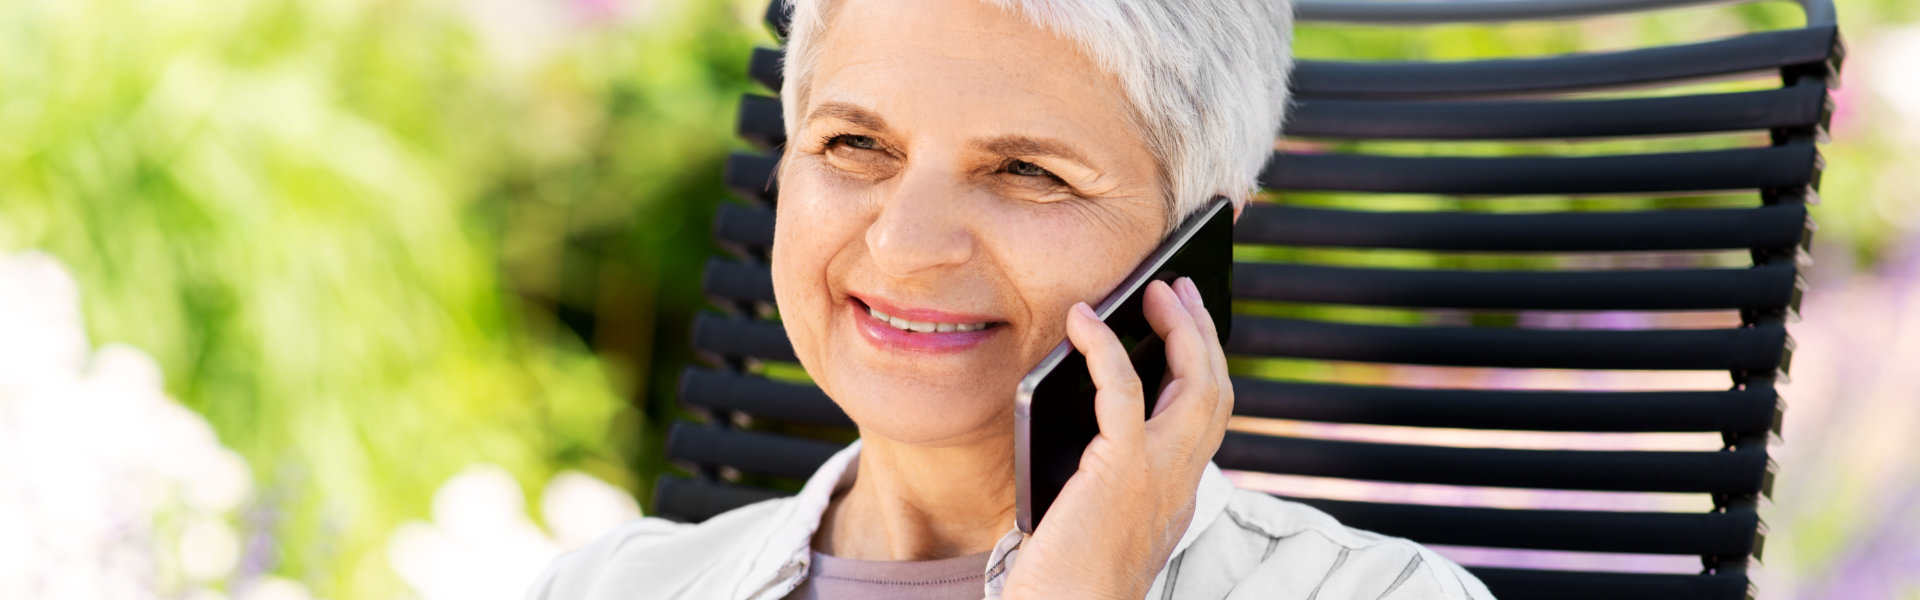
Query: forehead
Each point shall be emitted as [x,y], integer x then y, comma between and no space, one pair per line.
[963,64]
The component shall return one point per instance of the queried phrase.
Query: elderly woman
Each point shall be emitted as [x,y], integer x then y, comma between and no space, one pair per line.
[961,177]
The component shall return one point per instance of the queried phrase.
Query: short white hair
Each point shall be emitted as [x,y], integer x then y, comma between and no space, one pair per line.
[1207,79]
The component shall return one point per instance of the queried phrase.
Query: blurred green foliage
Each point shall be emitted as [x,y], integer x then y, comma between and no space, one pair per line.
[372,241]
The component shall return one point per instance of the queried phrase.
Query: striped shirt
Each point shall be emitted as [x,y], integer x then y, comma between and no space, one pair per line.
[1241,544]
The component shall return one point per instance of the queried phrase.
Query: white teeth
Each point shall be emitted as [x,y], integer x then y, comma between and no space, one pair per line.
[920,327]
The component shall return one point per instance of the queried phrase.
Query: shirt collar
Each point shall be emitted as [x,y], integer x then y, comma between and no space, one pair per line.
[789,540]
[787,553]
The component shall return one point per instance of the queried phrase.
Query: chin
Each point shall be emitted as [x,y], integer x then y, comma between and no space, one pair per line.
[925,414]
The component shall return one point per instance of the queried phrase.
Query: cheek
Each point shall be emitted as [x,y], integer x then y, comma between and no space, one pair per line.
[1061,257]
[816,222]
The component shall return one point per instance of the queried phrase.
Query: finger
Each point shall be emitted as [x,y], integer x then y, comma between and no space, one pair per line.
[1118,404]
[1223,405]
[1203,318]
[1190,299]
[1187,353]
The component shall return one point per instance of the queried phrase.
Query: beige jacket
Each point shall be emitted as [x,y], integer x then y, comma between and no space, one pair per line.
[1241,544]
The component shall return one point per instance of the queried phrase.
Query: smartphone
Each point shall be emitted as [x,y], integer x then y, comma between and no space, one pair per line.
[1053,407]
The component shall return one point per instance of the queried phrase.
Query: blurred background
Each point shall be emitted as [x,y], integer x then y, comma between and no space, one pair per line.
[357,299]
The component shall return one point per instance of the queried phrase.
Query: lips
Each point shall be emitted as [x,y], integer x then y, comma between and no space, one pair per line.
[925,326]
[921,331]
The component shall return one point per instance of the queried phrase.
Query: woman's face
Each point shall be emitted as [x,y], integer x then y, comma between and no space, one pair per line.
[955,168]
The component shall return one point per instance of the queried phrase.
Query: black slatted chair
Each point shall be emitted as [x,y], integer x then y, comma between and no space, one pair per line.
[762,434]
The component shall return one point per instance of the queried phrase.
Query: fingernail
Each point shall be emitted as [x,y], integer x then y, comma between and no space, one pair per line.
[1192,291]
[1085,311]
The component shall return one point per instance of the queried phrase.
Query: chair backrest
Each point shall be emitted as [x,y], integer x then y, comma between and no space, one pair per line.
[1307,298]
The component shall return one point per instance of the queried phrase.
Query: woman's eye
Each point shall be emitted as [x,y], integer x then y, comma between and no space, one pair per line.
[1021,167]
[857,141]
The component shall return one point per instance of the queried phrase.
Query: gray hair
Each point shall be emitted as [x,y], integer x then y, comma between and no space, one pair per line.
[1207,79]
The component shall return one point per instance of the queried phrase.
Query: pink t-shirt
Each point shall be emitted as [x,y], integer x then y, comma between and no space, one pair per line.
[957,578]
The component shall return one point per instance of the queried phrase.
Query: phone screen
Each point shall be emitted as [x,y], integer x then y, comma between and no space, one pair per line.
[1053,415]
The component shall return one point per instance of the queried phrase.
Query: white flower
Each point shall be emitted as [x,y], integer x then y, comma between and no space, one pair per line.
[481,543]
[579,508]
[108,488]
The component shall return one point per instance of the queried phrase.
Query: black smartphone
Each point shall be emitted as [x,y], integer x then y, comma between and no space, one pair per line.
[1053,408]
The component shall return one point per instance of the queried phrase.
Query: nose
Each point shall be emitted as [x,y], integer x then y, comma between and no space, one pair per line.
[922,225]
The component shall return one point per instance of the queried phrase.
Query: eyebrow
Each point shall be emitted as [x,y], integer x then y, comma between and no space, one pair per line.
[1006,145]
[1015,145]
[851,114]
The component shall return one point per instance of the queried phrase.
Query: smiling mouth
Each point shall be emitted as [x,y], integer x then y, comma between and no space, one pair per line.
[924,326]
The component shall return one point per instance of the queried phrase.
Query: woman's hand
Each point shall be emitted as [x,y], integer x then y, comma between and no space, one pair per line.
[1118,518]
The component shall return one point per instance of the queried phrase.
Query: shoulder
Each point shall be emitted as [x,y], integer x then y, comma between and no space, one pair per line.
[656,555]
[1265,547]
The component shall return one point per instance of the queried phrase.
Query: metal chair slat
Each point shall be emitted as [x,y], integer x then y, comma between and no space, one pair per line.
[1567,530]
[1705,472]
[727,337]
[1748,409]
[1745,348]
[1714,170]
[1750,53]
[1799,105]
[748,451]
[751,176]
[719,391]
[1775,226]
[1766,287]
[1592,585]
[697,500]
[745,230]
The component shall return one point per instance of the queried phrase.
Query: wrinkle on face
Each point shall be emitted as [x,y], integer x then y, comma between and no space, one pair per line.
[852,114]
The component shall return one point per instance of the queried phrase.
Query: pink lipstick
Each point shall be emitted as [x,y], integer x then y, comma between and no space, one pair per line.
[926,331]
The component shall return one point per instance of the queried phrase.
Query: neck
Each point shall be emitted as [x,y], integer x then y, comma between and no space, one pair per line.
[912,502]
